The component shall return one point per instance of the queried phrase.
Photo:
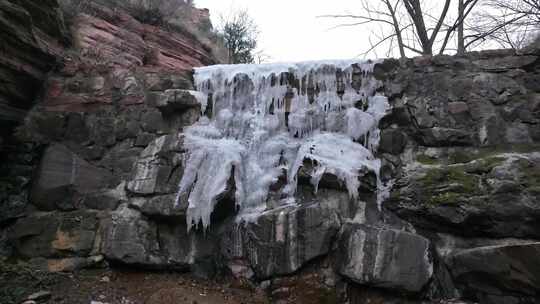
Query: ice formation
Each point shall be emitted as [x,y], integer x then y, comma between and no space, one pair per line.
[264,121]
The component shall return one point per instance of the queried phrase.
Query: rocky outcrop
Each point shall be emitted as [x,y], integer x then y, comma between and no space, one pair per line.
[474,195]
[281,241]
[159,167]
[468,168]
[53,236]
[507,273]
[32,35]
[104,153]
[384,257]
[132,59]
[63,178]
[32,41]
[98,111]
[133,239]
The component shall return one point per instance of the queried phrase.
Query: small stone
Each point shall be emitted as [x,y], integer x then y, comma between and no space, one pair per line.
[105,279]
[458,107]
[40,295]
[265,285]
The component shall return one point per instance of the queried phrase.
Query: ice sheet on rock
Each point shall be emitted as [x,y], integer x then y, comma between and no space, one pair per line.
[211,161]
[267,119]
[335,154]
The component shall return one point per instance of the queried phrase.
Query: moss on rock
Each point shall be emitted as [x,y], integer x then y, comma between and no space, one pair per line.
[449,184]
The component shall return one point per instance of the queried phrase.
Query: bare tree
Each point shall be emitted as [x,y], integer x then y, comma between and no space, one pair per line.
[240,34]
[410,24]
[416,14]
[384,15]
[262,57]
[509,23]
[465,7]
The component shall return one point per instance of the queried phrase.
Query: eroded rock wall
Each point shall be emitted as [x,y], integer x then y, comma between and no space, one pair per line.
[94,93]
[463,147]
[104,154]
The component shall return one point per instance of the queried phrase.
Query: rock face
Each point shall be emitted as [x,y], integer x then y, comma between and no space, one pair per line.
[281,241]
[64,176]
[31,36]
[475,195]
[159,167]
[97,114]
[499,273]
[469,169]
[384,257]
[52,235]
[103,154]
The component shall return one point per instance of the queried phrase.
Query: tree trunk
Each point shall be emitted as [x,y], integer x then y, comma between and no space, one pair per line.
[397,29]
[461,39]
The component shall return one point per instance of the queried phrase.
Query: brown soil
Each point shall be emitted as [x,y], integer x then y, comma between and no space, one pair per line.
[127,287]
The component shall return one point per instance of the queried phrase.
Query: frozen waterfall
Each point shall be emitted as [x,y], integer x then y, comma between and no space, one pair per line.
[262,122]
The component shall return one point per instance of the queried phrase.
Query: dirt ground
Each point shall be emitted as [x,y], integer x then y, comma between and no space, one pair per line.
[130,287]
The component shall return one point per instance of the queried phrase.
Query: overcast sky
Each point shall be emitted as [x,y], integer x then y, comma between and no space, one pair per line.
[291,31]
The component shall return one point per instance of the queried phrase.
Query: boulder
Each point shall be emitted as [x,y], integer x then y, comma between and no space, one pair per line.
[393,141]
[106,200]
[494,195]
[55,234]
[444,137]
[385,258]
[505,63]
[62,177]
[161,207]
[505,273]
[131,238]
[174,100]
[66,264]
[159,167]
[280,241]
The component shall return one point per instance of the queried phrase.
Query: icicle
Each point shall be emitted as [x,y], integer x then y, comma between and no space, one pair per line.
[273,117]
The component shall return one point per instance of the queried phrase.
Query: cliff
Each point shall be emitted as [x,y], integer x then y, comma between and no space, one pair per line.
[32,36]
[108,62]
[95,172]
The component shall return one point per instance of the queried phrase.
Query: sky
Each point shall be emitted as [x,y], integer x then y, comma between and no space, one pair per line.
[291,31]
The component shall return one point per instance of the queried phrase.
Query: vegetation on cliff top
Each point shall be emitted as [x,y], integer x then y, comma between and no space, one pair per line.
[172,15]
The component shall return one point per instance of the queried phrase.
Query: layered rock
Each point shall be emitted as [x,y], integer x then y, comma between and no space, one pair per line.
[59,242]
[282,240]
[494,195]
[63,177]
[131,58]
[32,33]
[384,257]
[32,37]
[506,273]
[468,167]
[460,145]
[97,114]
